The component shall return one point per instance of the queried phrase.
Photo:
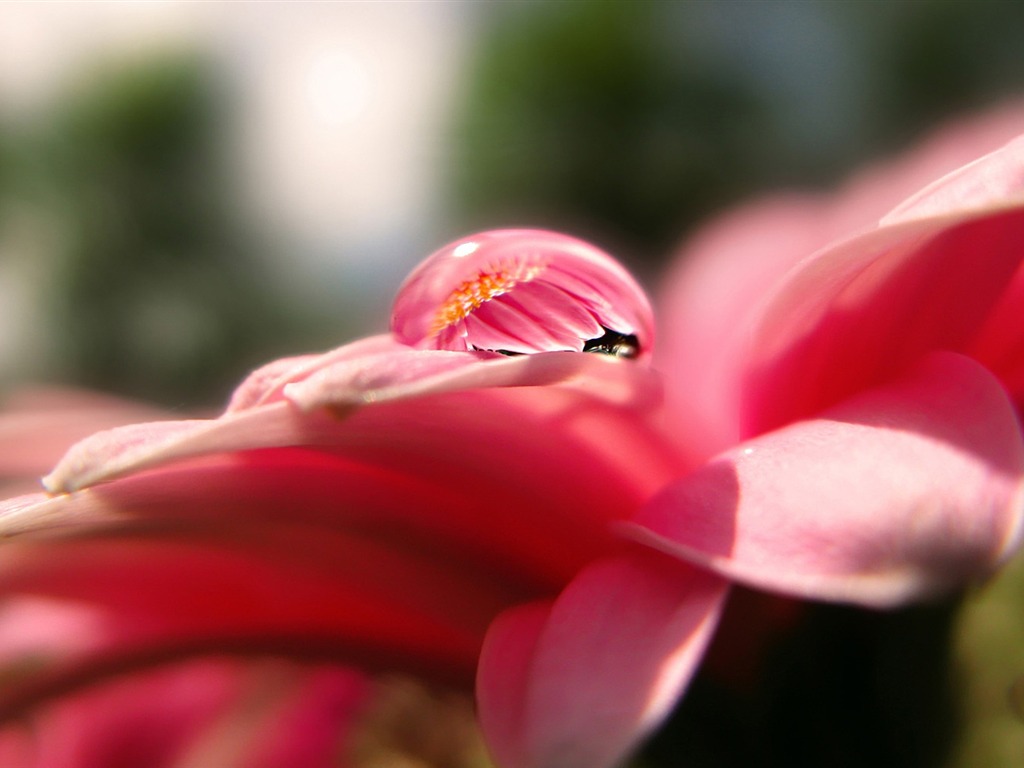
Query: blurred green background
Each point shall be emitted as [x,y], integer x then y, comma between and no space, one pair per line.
[176,208]
[144,255]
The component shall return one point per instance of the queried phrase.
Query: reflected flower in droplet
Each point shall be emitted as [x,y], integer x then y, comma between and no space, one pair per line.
[520,291]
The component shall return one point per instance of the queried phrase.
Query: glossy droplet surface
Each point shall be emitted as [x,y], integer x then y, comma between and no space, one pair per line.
[521,291]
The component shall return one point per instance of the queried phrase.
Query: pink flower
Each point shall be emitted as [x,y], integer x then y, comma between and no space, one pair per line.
[471,495]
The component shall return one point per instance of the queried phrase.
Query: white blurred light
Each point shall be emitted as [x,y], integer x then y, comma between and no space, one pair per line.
[336,86]
[335,119]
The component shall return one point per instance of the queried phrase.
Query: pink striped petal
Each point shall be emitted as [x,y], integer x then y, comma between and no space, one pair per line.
[902,491]
[577,683]
[561,286]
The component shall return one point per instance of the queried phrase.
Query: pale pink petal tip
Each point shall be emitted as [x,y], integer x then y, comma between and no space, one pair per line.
[579,682]
[906,490]
[993,181]
[521,291]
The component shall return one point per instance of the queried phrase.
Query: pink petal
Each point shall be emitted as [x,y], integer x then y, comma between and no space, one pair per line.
[411,522]
[579,682]
[846,314]
[854,314]
[902,491]
[38,425]
[341,386]
[266,384]
[309,595]
[711,295]
[993,181]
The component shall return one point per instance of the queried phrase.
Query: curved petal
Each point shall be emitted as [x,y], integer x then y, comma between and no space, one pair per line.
[397,532]
[995,180]
[37,425]
[720,278]
[854,314]
[903,491]
[753,348]
[577,683]
[317,401]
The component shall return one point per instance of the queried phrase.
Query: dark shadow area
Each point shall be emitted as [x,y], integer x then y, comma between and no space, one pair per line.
[843,687]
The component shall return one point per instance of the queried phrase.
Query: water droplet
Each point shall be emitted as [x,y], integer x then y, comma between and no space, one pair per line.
[521,292]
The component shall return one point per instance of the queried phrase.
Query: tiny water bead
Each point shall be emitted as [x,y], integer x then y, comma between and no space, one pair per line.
[522,291]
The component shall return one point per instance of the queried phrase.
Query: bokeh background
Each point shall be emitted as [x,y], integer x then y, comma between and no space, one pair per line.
[189,189]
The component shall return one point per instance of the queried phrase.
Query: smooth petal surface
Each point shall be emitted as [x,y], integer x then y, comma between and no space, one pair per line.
[577,683]
[900,492]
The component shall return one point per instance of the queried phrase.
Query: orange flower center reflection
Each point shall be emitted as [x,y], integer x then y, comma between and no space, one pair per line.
[471,294]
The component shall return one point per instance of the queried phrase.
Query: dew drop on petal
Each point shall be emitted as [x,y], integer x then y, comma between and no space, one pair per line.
[520,291]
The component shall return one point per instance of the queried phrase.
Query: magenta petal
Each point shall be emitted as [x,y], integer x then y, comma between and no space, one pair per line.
[902,491]
[578,683]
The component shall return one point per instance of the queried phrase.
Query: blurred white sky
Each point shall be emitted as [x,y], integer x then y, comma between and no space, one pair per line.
[336,122]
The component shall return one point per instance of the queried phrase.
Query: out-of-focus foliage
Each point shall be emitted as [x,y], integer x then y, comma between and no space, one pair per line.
[990,656]
[151,287]
[586,116]
[631,121]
